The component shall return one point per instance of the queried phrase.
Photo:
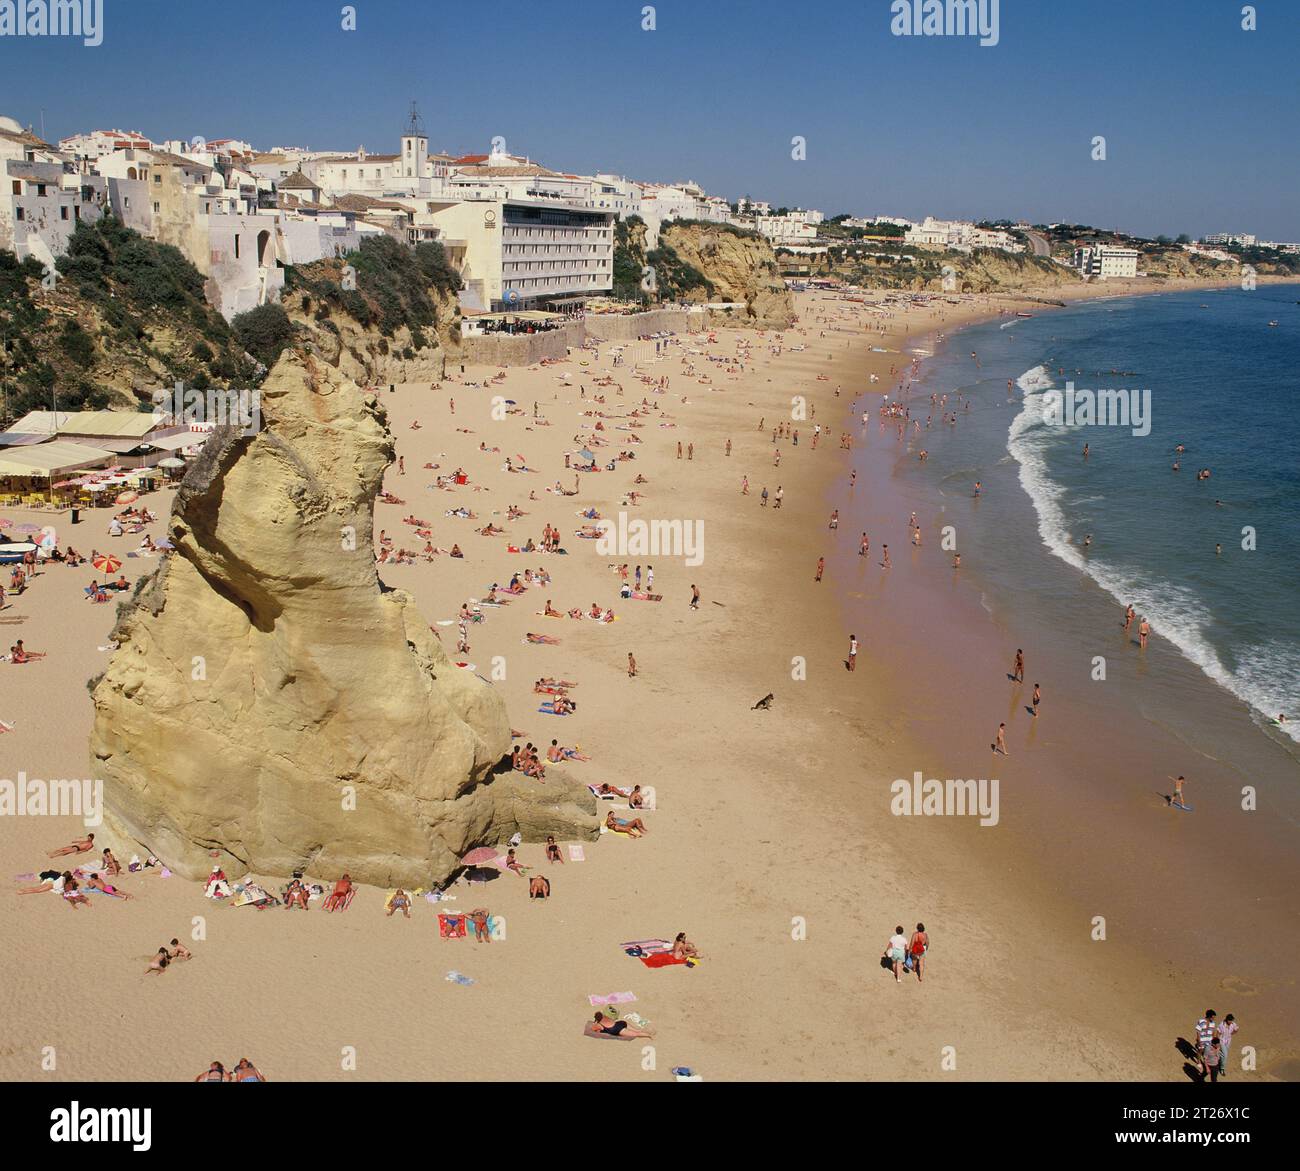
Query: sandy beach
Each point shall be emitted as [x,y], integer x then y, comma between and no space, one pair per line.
[771,845]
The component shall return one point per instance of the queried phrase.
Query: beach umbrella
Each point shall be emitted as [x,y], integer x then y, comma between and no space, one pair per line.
[107,563]
[28,528]
[171,462]
[127,497]
[479,857]
[164,545]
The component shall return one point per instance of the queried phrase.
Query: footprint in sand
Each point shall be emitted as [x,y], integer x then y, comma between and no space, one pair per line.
[1238,986]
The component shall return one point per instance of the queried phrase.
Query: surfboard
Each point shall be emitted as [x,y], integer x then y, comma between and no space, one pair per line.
[1184,808]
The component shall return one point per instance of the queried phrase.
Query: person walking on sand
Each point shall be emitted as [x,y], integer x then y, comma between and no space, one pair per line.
[896,951]
[917,946]
[764,495]
[1129,615]
[1226,1030]
[821,568]
[886,561]
[864,546]
[1144,629]
[835,519]
[1177,798]
[631,665]
[1018,671]
[728,446]
[679,449]
[695,597]
[1000,745]
[1035,701]
[744,485]
[780,492]
[690,451]
[853,652]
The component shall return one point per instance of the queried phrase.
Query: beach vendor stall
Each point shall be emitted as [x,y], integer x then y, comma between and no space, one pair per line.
[28,474]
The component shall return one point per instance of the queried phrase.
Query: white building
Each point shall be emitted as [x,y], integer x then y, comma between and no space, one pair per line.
[786,230]
[1240,239]
[1105,261]
[521,253]
[42,196]
[98,143]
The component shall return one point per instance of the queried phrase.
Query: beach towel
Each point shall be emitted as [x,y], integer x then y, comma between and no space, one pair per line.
[611,998]
[549,709]
[662,960]
[577,853]
[649,946]
[451,926]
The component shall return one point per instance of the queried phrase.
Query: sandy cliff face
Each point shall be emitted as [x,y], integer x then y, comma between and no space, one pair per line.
[738,267]
[365,354]
[270,700]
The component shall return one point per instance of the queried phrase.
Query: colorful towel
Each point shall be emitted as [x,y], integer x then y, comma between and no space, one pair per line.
[647,945]
[611,998]
[663,959]
[451,926]
[577,853]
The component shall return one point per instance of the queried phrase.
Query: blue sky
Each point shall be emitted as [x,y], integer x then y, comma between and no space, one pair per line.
[1200,117]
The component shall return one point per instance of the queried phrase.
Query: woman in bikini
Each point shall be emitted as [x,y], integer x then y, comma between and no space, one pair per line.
[553,851]
[684,949]
[216,1072]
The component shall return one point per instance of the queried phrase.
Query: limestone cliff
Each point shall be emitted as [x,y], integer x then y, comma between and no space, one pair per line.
[735,265]
[272,701]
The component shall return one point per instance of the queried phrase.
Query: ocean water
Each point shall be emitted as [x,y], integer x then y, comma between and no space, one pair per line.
[1213,376]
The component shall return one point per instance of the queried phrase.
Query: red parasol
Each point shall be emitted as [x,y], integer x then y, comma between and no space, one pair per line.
[106,563]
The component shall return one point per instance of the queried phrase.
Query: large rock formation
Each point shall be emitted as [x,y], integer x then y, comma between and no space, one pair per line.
[271,700]
[739,266]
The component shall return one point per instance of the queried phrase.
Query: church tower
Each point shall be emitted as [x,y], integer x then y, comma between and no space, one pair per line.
[415,147]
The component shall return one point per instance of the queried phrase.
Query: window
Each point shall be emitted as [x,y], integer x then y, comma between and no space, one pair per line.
[63,212]
[18,186]
[156,208]
[40,190]
[76,213]
[236,246]
[20,213]
[157,178]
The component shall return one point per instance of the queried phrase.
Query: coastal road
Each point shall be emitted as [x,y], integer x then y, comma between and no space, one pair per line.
[1039,244]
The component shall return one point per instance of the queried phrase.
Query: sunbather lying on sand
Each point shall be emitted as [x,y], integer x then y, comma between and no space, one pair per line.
[94,882]
[633,827]
[556,753]
[80,846]
[399,901]
[542,639]
[617,1028]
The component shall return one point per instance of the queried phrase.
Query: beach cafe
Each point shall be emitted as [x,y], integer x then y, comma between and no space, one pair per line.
[87,458]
